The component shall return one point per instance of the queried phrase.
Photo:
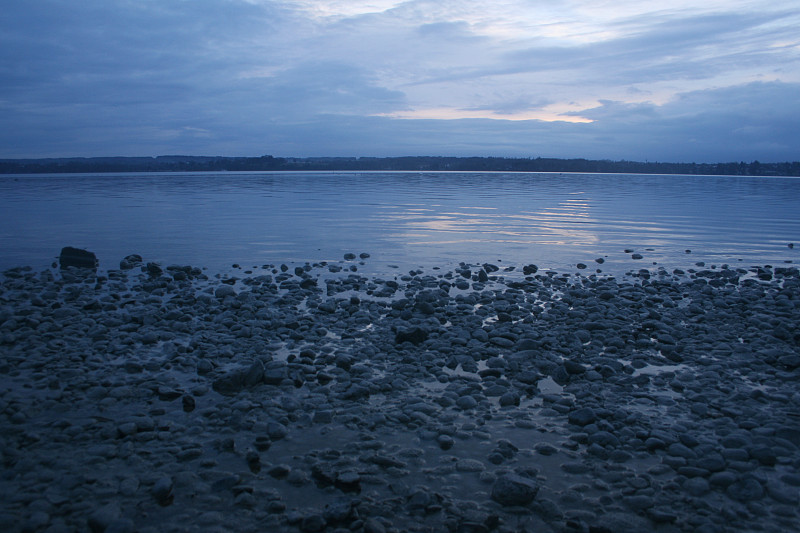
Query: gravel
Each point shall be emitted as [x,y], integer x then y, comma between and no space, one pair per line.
[313,398]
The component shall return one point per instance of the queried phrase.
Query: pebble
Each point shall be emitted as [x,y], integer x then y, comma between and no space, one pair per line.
[224,291]
[512,489]
[162,491]
[330,404]
[582,417]
[696,486]
[746,489]
[466,402]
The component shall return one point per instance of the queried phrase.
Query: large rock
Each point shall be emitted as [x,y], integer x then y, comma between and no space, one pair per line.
[512,489]
[75,257]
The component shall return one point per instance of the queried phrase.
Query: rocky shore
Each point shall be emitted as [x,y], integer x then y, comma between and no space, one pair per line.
[312,398]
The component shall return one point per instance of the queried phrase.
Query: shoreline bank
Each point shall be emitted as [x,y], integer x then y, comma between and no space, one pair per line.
[315,398]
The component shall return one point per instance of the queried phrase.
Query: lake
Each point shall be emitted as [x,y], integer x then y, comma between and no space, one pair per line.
[402,219]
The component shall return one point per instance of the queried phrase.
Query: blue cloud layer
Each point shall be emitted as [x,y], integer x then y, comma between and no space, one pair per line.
[235,77]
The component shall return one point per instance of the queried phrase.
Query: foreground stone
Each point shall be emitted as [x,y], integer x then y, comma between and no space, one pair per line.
[512,489]
[77,258]
[312,398]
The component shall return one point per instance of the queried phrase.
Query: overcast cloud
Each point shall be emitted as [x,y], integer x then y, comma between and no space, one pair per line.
[559,78]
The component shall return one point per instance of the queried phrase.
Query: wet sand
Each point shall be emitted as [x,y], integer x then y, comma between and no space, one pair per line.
[312,398]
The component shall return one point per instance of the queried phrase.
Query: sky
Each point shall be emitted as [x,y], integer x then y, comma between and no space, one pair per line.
[678,81]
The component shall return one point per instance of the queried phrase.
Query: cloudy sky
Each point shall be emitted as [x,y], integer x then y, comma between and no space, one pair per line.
[616,79]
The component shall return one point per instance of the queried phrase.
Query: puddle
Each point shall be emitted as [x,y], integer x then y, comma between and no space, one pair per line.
[549,386]
[460,372]
[654,370]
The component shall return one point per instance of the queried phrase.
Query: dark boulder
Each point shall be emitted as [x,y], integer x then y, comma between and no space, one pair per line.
[75,257]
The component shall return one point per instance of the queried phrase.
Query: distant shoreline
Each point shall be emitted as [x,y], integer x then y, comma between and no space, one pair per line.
[80,165]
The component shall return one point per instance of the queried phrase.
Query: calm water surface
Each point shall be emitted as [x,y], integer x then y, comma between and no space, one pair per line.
[402,219]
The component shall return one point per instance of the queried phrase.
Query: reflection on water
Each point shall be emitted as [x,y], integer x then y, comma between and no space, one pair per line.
[409,219]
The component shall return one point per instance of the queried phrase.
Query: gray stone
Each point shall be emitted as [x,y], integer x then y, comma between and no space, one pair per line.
[679,450]
[696,486]
[337,511]
[583,416]
[276,430]
[764,455]
[127,428]
[603,438]
[230,383]
[470,465]
[275,374]
[746,489]
[512,489]
[713,462]
[130,262]
[466,402]
[575,468]
[224,291]
[153,269]
[188,403]
[314,522]
[544,448]
[574,368]
[618,522]
[639,502]
[102,518]
[782,494]
[509,399]
[373,525]
[735,441]
[415,336]
[121,525]
[255,374]
[791,479]
[162,491]
[445,442]
[722,479]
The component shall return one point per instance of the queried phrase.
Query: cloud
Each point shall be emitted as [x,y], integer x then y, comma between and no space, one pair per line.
[327,87]
[751,121]
[682,47]
[512,105]
[326,77]
[697,127]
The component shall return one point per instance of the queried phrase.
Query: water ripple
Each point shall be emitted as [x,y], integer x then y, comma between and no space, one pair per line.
[400,218]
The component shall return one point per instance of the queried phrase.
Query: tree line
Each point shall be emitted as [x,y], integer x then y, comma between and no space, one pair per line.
[409,163]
